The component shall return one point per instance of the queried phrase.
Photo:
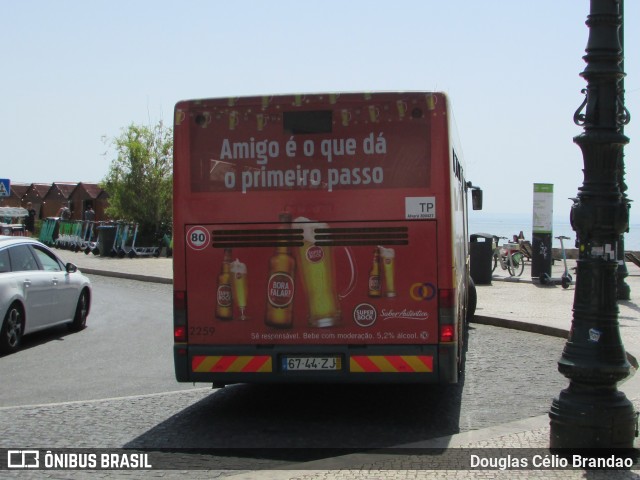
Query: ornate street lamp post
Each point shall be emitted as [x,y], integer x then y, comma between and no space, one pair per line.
[591,412]
[624,291]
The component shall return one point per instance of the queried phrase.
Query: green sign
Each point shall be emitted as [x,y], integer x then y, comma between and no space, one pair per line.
[542,208]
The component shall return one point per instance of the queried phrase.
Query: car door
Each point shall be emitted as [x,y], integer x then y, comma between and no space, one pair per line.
[36,286]
[65,291]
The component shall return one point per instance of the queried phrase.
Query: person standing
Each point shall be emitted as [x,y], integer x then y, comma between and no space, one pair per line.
[89,217]
[89,214]
[30,220]
[64,213]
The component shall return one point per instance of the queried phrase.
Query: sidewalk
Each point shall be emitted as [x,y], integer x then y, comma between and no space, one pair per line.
[510,303]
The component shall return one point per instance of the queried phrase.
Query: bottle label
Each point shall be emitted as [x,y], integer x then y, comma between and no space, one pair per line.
[224,295]
[280,290]
[374,282]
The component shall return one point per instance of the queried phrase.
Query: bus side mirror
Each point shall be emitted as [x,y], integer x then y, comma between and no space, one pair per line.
[476,199]
[476,196]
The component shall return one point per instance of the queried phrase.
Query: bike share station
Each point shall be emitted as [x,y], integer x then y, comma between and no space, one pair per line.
[486,254]
[542,258]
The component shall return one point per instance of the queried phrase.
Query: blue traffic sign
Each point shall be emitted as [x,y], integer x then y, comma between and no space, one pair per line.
[5,187]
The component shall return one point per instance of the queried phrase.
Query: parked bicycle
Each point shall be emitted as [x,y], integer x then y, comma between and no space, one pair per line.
[508,256]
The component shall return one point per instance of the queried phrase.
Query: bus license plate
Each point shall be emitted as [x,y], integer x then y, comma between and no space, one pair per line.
[293,364]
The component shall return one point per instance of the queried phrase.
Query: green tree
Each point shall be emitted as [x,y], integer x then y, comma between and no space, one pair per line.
[139,182]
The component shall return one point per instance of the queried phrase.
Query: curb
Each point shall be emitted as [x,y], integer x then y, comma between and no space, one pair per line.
[522,326]
[127,276]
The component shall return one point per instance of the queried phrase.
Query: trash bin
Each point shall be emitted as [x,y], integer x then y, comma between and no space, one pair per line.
[106,237]
[481,255]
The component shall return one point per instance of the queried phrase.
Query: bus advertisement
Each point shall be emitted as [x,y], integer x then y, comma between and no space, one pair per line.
[319,238]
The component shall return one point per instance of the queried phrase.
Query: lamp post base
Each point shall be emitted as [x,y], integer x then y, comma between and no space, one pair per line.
[585,416]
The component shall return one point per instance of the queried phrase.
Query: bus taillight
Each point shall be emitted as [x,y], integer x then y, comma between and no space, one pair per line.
[180,334]
[447,333]
[179,316]
[446,311]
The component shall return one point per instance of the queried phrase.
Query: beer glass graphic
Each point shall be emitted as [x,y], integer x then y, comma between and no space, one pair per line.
[388,258]
[374,113]
[261,121]
[234,119]
[316,264]
[401,105]
[239,286]
[179,117]
[266,100]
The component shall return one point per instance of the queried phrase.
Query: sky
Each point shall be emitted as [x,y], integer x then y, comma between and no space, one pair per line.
[75,73]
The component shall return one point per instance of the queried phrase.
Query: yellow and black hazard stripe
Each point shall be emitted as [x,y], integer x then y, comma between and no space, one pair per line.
[391,364]
[232,363]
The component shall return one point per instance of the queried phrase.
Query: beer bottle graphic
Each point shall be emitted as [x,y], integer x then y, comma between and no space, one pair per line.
[239,286]
[224,297]
[281,284]
[374,276]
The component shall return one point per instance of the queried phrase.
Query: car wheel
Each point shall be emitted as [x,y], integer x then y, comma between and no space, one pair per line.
[82,311]
[12,328]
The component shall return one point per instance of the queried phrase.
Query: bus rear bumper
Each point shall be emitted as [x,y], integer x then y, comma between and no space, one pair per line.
[314,363]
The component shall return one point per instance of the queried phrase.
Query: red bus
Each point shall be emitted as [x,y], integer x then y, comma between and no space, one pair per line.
[320,237]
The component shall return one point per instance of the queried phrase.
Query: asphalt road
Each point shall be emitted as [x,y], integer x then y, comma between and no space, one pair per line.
[125,350]
[109,386]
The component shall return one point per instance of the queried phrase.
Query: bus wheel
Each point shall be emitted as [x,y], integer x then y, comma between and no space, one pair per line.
[472,300]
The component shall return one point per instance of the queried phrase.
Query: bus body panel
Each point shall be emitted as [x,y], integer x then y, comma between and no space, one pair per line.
[365,174]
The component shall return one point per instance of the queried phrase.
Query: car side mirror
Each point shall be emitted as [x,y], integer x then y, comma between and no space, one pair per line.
[71,268]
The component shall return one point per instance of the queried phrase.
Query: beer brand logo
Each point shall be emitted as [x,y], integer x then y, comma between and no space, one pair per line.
[280,290]
[365,315]
[422,291]
[374,282]
[315,254]
[405,314]
[224,295]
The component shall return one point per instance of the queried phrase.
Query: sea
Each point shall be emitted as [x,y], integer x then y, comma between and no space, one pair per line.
[510,224]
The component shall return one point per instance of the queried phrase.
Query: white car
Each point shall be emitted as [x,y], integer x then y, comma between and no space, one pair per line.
[38,291]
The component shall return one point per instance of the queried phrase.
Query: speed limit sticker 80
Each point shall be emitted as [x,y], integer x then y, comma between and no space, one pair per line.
[198,238]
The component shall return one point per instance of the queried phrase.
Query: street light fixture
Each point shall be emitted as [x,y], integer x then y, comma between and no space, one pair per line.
[591,412]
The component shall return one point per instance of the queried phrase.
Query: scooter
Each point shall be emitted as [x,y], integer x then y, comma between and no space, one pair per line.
[566,279]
